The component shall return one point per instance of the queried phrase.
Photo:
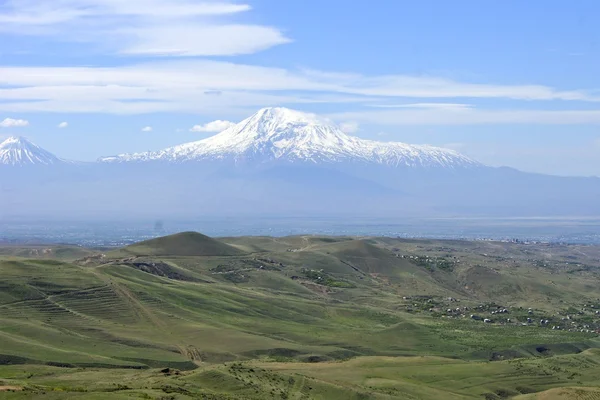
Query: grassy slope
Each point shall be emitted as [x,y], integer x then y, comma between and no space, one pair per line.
[65,253]
[236,307]
[561,377]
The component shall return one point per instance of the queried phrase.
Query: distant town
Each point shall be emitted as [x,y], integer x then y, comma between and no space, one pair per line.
[114,234]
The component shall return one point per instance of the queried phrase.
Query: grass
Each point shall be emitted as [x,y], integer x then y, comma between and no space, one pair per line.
[236,325]
[422,377]
[65,253]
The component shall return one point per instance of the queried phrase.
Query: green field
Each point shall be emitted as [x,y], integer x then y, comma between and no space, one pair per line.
[303,317]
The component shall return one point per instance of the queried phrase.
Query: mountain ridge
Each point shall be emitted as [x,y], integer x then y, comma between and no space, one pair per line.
[281,134]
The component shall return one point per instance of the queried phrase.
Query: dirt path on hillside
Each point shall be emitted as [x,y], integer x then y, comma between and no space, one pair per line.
[7,388]
[123,292]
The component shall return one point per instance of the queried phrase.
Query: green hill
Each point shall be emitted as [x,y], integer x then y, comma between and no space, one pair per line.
[300,318]
[183,244]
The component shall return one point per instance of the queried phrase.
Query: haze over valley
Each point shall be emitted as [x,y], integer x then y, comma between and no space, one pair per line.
[281,162]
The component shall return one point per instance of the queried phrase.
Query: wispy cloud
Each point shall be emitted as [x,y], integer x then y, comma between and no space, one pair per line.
[186,86]
[63,125]
[13,123]
[193,40]
[434,106]
[472,117]
[147,129]
[175,27]
[214,126]
[435,87]
[349,126]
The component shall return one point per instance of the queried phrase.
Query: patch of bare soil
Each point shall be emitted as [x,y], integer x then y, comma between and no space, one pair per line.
[8,388]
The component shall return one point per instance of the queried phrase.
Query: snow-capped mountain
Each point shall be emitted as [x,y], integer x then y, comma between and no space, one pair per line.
[281,134]
[18,151]
[281,162]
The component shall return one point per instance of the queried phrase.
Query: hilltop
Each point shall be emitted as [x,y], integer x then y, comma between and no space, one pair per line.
[182,244]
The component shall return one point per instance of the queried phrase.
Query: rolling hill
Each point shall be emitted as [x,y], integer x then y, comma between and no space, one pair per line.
[183,244]
[300,317]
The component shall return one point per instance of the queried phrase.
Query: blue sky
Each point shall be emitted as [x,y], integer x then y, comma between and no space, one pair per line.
[508,83]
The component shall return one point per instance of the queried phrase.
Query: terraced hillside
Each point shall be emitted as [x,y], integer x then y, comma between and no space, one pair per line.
[189,316]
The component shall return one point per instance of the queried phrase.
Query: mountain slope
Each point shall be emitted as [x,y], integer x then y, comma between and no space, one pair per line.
[18,151]
[280,134]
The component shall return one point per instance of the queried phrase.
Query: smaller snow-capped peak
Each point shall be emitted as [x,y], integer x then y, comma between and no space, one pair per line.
[281,134]
[18,151]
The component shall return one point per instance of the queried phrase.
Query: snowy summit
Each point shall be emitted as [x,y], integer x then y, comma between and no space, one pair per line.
[281,134]
[18,151]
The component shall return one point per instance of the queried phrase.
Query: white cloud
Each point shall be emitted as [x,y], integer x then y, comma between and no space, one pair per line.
[214,126]
[34,13]
[349,127]
[147,129]
[175,27]
[63,125]
[13,123]
[436,106]
[215,40]
[472,117]
[435,87]
[187,86]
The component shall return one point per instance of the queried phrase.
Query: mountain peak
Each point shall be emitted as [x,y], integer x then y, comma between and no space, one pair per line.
[277,134]
[19,151]
[15,141]
[282,115]
[272,125]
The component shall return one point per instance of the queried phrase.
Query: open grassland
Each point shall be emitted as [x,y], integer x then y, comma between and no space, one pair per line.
[65,253]
[422,377]
[302,317]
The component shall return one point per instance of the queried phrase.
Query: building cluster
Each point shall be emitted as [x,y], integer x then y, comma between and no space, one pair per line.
[586,320]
